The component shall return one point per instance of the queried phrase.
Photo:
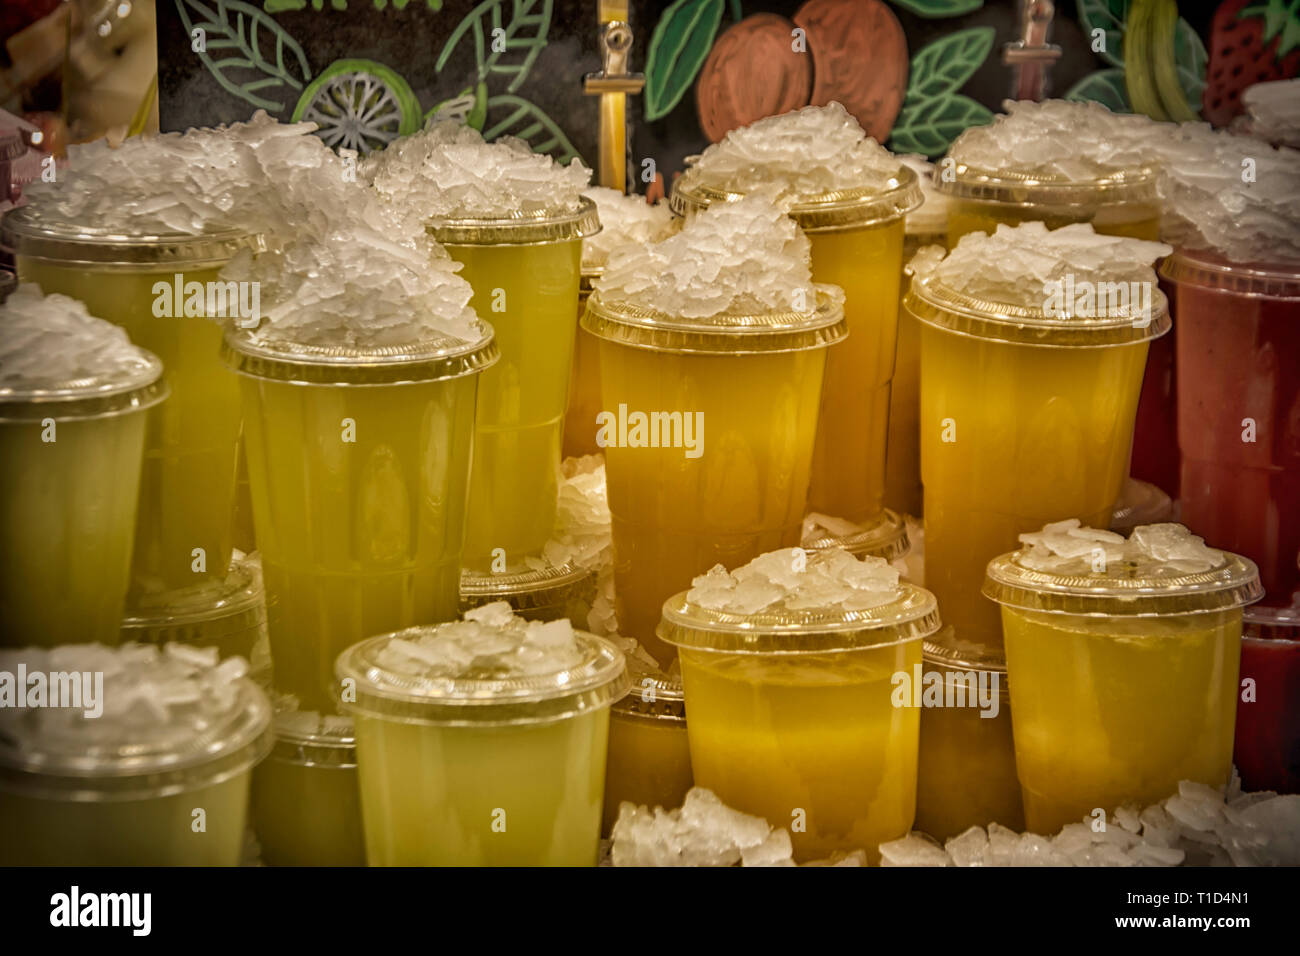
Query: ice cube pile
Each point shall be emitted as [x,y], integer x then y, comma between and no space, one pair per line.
[583,535]
[1068,548]
[741,258]
[704,831]
[1197,826]
[490,643]
[154,699]
[448,171]
[932,215]
[49,340]
[1018,265]
[797,580]
[624,220]
[1274,110]
[806,153]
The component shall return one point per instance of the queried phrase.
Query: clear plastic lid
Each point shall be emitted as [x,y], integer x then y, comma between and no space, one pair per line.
[1126,588]
[102,396]
[310,739]
[1272,624]
[727,333]
[1206,270]
[654,695]
[945,651]
[840,210]
[884,536]
[1140,502]
[911,616]
[525,589]
[938,305]
[429,360]
[521,229]
[25,232]
[1041,189]
[480,699]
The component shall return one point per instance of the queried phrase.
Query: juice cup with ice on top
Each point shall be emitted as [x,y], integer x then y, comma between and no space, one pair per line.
[1267,747]
[966,772]
[482,742]
[178,731]
[229,615]
[1027,400]
[624,220]
[305,805]
[789,666]
[711,383]
[74,400]
[1122,656]
[516,221]
[359,400]
[850,195]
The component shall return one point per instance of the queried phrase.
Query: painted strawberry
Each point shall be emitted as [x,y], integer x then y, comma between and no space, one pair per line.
[1249,43]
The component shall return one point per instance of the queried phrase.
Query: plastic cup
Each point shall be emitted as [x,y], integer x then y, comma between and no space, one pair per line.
[649,761]
[792,715]
[857,244]
[482,771]
[188,480]
[306,802]
[358,462]
[229,615]
[1025,420]
[535,594]
[966,774]
[1139,503]
[70,483]
[525,273]
[884,536]
[242,533]
[1156,457]
[1267,746]
[76,800]
[1123,203]
[1123,683]
[1238,392]
[755,382]
[584,386]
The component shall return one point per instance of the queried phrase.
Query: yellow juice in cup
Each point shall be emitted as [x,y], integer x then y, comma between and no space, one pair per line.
[187,483]
[1123,682]
[493,768]
[359,467]
[584,388]
[793,717]
[676,512]
[525,276]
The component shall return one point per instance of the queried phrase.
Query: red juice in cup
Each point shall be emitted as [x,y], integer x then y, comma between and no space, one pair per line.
[1267,745]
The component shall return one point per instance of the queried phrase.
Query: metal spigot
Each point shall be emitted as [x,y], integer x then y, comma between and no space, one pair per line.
[1032,55]
[613,84]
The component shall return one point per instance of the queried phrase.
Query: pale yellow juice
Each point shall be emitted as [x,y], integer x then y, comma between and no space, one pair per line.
[584,393]
[649,761]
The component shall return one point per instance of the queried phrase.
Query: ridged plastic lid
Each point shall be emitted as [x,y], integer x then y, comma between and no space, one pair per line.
[884,536]
[945,650]
[1140,502]
[1031,189]
[654,694]
[25,232]
[139,388]
[728,333]
[521,229]
[596,682]
[428,360]
[237,602]
[525,589]
[840,210]
[913,615]
[1124,589]
[1262,623]
[938,305]
[310,739]
[1256,280]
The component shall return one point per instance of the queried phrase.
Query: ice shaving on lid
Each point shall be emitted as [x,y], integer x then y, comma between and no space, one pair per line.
[491,643]
[1274,111]
[932,215]
[623,220]
[153,698]
[1066,547]
[795,580]
[739,258]
[49,340]
[806,153]
[449,171]
[1016,264]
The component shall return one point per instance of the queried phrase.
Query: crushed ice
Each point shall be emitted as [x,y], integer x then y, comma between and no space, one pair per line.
[797,580]
[1066,547]
[624,220]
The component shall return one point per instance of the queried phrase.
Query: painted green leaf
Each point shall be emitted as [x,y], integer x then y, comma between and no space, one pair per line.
[1280,16]
[1106,87]
[943,66]
[247,52]
[509,115]
[679,46]
[1110,17]
[1190,58]
[508,35]
[934,9]
[929,127]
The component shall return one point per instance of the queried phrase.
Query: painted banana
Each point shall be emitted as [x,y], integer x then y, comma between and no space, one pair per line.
[1139,76]
[1164,29]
